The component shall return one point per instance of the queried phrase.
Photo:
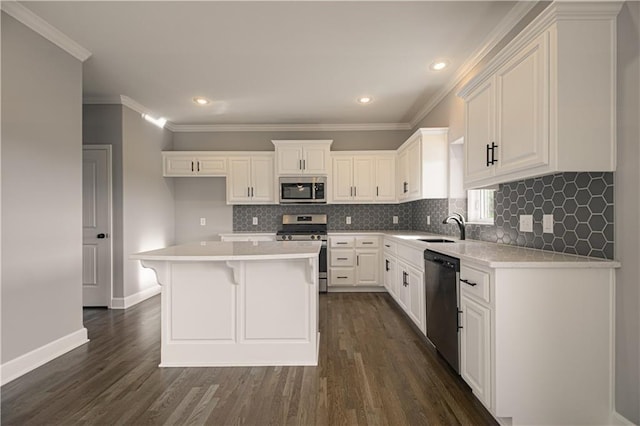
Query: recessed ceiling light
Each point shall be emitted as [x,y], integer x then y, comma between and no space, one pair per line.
[439,65]
[201,101]
[364,100]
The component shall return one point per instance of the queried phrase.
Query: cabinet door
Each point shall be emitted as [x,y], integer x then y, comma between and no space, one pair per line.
[402,285]
[262,187]
[391,275]
[211,166]
[414,166]
[316,159]
[416,309]
[475,348]
[367,267]
[289,159]
[385,178]
[479,123]
[403,175]
[342,179]
[521,109]
[239,180]
[363,179]
[178,165]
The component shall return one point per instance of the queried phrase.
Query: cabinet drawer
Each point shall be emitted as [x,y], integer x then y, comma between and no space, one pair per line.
[390,246]
[412,255]
[341,242]
[338,276]
[367,242]
[342,258]
[477,277]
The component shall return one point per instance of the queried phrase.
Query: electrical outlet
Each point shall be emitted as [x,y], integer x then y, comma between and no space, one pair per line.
[203,221]
[526,223]
[428,220]
[348,220]
[395,220]
[547,224]
[255,220]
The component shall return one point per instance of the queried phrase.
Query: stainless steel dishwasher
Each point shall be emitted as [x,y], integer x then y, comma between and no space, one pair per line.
[442,274]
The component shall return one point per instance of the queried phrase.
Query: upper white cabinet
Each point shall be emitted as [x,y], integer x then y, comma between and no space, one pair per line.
[251,179]
[302,157]
[363,177]
[175,164]
[546,102]
[423,165]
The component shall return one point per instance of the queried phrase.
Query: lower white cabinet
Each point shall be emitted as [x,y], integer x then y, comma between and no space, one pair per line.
[354,261]
[404,279]
[475,343]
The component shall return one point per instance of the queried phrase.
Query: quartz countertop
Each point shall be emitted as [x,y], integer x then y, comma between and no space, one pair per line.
[233,250]
[491,254]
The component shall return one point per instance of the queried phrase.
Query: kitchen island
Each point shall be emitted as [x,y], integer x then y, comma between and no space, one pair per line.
[237,303]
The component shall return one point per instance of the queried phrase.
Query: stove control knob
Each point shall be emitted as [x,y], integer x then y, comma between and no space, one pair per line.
[313,237]
[289,237]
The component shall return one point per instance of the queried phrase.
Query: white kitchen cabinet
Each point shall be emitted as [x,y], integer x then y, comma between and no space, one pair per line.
[412,293]
[354,260]
[363,177]
[203,163]
[546,102]
[423,165]
[475,344]
[390,274]
[302,157]
[251,179]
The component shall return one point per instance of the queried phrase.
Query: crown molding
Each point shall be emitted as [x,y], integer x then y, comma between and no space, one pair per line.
[190,128]
[514,16]
[45,29]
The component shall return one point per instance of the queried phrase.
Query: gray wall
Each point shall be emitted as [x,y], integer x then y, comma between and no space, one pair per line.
[627,195]
[147,206]
[41,191]
[197,198]
[261,141]
[102,124]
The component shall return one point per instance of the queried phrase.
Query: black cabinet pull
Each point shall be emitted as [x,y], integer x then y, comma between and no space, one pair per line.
[488,160]
[377,191]
[468,282]
[198,165]
[367,242]
[404,187]
[343,278]
[458,320]
[343,258]
[192,166]
[101,236]
[357,260]
[252,191]
[341,242]
[248,192]
[387,245]
[386,265]
[491,160]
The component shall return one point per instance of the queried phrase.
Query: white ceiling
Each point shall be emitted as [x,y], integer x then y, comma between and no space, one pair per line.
[278,63]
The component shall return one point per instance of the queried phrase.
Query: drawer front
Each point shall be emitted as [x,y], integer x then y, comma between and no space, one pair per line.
[342,258]
[411,255]
[367,242]
[475,282]
[341,276]
[341,242]
[390,246]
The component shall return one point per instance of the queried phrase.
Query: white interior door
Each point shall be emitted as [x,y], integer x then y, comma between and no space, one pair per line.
[96,223]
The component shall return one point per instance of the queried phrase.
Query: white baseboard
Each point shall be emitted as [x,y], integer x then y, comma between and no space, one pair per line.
[353,289]
[134,299]
[17,367]
[619,419]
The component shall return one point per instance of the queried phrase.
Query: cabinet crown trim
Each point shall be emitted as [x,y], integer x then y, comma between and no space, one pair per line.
[555,12]
[302,141]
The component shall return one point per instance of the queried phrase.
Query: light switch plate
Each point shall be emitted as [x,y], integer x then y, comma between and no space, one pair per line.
[348,220]
[428,220]
[395,220]
[547,224]
[526,223]
[255,220]
[203,221]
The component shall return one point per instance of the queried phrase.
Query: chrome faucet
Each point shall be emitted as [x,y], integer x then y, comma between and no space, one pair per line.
[457,218]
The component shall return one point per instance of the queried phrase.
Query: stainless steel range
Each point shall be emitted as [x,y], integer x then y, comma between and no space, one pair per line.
[305,227]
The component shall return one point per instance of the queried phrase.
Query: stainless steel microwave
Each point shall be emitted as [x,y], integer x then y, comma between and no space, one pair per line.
[303,189]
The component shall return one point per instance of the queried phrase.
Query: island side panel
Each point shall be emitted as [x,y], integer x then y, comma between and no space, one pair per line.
[260,312]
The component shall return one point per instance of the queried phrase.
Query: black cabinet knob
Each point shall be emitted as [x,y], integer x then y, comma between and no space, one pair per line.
[101,236]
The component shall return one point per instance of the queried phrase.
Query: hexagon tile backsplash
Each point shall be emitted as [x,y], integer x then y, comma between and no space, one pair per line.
[581,205]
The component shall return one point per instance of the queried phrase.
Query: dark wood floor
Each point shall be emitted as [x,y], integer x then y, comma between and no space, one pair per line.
[374,369]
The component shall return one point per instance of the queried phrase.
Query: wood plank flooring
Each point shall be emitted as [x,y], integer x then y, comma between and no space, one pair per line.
[374,370]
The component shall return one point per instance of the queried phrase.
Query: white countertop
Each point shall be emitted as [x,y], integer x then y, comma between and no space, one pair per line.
[233,250]
[491,254]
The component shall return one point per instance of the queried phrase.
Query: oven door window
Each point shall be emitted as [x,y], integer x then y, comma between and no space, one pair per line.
[297,191]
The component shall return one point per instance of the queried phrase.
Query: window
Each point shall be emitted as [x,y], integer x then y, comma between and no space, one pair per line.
[480,208]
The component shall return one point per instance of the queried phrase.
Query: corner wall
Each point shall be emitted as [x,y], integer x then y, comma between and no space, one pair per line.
[41,200]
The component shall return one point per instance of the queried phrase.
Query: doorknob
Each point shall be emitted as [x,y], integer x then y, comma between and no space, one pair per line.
[101,235]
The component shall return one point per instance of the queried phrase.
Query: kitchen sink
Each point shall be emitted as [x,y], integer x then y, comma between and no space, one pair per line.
[437,240]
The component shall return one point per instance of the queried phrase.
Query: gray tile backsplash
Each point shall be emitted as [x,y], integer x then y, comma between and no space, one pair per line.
[581,205]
